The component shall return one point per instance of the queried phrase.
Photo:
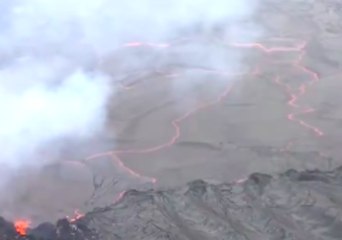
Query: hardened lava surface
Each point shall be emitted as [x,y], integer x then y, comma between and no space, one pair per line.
[292,205]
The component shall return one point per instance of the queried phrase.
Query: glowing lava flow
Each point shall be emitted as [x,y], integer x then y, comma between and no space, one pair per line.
[21,226]
[294,95]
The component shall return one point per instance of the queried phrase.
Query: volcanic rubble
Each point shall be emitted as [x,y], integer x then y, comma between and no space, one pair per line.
[293,205]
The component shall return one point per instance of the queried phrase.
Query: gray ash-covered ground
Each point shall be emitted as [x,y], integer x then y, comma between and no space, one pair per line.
[292,205]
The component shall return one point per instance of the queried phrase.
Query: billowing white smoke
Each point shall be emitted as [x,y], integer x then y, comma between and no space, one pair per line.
[46,46]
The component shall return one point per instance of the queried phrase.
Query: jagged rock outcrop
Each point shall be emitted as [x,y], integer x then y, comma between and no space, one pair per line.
[293,205]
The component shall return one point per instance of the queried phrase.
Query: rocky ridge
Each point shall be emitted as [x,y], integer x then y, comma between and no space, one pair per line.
[292,205]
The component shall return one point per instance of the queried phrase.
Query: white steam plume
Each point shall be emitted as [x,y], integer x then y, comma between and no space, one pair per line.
[46,46]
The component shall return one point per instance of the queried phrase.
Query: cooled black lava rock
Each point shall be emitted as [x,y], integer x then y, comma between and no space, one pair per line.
[45,231]
[7,230]
[294,205]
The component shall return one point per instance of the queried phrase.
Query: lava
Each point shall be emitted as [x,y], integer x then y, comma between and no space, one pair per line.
[293,97]
[21,226]
[302,89]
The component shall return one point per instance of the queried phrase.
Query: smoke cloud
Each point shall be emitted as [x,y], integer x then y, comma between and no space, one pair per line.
[50,85]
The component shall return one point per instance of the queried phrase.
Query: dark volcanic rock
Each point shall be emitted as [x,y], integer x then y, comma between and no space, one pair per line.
[294,205]
[7,230]
[46,231]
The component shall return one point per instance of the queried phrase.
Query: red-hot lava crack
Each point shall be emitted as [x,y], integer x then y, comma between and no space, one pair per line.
[297,93]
